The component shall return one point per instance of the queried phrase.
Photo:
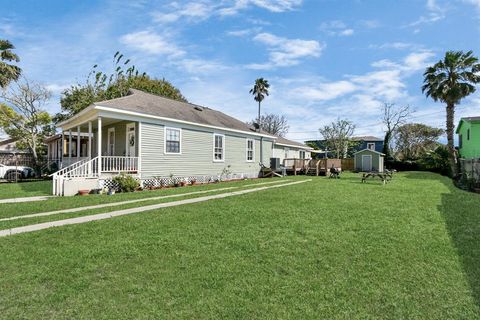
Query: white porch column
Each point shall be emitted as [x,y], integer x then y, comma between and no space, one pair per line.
[90,139]
[139,156]
[78,143]
[99,144]
[62,149]
[69,146]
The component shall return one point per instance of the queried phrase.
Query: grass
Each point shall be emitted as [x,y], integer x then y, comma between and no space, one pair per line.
[333,249]
[25,189]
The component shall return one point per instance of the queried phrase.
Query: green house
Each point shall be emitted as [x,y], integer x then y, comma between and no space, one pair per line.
[468,131]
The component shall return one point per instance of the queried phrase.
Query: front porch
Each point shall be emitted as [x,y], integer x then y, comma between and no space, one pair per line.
[94,150]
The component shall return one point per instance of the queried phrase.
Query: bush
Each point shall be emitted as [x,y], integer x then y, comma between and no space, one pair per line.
[437,161]
[126,183]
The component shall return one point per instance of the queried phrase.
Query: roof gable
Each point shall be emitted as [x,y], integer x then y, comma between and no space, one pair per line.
[369,150]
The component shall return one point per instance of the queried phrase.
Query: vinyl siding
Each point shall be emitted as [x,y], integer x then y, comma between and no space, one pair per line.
[279,152]
[196,158]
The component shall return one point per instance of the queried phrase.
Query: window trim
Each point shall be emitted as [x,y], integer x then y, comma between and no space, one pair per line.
[246,149]
[108,141]
[369,144]
[165,140]
[286,151]
[300,154]
[223,147]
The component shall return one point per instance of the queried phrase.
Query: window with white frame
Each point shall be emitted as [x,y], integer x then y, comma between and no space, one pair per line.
[302,154]
[250,150]
[173,137]
[286,151]
[218,147]
[371,146]
[111,142]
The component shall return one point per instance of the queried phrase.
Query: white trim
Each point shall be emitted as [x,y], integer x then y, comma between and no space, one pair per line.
[371,144]
[165,140]
[109,153]
[287,150]
[246,149]
[293,146]
[371,160]
[370,151]
[127,145]
[102,108]
[223,147]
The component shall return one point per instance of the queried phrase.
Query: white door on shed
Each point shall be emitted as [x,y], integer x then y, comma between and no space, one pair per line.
[367,162]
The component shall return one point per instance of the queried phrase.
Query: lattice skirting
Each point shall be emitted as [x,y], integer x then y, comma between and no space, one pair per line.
[158,182]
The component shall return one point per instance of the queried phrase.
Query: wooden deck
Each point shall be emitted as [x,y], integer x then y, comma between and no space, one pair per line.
[314,167]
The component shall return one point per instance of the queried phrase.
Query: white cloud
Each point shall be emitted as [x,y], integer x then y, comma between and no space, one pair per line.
[474,2]
[151,43]
[435,13]
[336,28]
[243,32]
[394,45]
[195,11]
[325,91]
[284,52]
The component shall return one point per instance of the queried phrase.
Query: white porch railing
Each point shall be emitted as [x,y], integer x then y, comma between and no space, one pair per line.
[90,169]
[112,164]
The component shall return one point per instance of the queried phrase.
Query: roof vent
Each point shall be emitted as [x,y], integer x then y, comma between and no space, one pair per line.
[198,108]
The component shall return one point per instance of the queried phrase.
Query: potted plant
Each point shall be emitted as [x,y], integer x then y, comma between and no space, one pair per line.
[83,192]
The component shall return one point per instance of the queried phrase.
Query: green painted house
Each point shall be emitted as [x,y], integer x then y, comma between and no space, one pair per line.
[468,131]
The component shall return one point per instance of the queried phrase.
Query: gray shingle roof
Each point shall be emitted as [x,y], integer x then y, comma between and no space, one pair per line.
[150,104]
[282,140]
[154,105]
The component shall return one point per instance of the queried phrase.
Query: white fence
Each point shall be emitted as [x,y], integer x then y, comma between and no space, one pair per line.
[471,168]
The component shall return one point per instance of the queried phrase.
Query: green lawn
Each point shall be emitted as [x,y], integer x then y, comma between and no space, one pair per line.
[25,189]
[326,249]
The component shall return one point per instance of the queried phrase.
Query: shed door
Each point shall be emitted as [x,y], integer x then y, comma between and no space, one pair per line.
[367,162]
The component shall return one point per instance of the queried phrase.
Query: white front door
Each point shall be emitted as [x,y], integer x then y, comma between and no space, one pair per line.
[131,141]
[366,163]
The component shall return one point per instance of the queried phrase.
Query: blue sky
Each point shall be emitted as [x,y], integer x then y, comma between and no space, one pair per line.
[323,58]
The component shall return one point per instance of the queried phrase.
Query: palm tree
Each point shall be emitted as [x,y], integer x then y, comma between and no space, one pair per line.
[449,81]
[8,72]
[259,91]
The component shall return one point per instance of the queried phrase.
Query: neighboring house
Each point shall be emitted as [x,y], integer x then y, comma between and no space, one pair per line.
[361,143]
[151,136]
[368,142]
[287,149]
[11,155]
[57,152]
[468,131]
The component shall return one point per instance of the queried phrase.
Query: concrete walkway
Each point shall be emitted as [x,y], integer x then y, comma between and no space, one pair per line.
[113,204]
[25,199]
[102,216]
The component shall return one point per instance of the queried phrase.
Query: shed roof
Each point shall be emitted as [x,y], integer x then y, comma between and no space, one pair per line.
[370,150]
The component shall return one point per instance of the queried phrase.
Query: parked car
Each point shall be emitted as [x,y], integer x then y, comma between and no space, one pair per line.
[12,173]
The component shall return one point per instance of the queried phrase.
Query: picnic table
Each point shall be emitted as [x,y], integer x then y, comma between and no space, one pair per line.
[384,176]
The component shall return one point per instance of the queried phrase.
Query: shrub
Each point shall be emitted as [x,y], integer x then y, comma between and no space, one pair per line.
[437,161]
[126,183]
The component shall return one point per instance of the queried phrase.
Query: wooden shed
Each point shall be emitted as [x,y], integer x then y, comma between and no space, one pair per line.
[367,160]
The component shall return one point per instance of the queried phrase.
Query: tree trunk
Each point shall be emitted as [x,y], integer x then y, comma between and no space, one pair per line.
[450,130]
[258,119]
[386,144]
